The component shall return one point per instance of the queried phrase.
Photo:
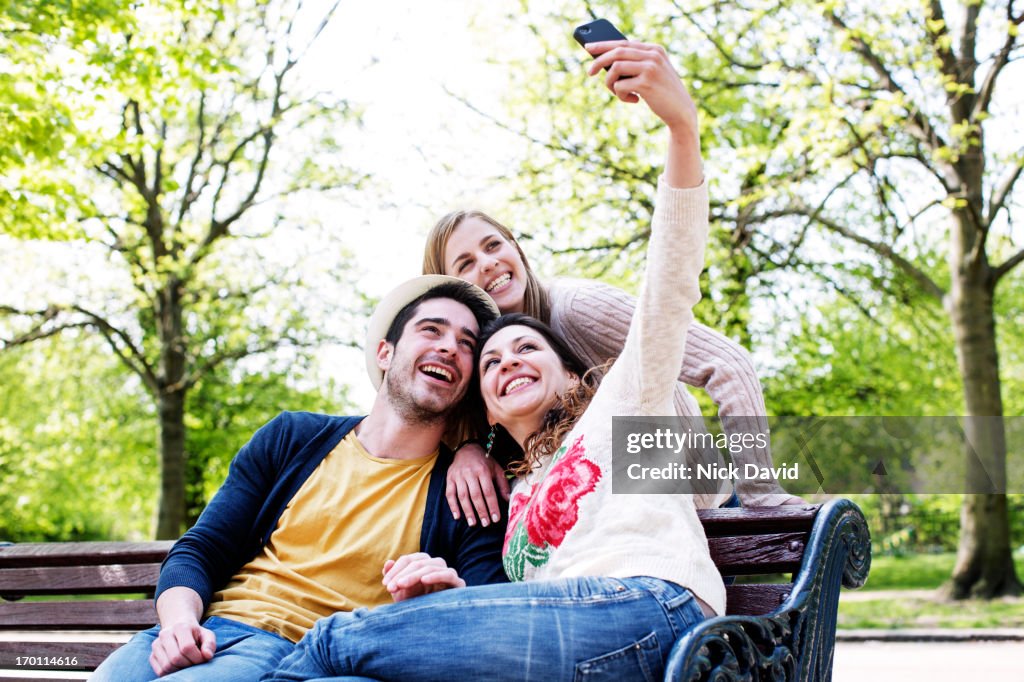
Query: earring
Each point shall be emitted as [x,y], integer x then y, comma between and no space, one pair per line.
[490,440]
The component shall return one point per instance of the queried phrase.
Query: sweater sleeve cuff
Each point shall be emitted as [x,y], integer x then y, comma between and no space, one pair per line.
[768,500]
[179,577]
[685,206]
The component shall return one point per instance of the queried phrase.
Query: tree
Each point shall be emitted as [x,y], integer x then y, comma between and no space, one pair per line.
[855,140]
[197,149]
[39,108]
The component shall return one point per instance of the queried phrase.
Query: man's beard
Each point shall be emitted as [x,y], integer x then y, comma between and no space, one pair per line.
[412,411]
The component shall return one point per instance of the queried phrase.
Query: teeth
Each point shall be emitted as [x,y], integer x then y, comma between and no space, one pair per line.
[501,281]
[516,383]
[438,371]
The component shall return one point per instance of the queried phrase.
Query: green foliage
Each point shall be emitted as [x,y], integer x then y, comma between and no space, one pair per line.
[45,97]
[224,412]
[77,445]
[1010,316]
[906,525]
[844,362]
[191,149]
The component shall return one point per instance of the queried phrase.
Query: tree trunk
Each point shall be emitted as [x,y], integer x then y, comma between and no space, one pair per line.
[171,404]
[739,269]
[984,566]
[171,511]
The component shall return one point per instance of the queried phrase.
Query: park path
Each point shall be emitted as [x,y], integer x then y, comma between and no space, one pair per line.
[872,595]
[928,661]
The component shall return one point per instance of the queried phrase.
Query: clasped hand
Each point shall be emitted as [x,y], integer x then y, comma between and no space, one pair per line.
[413,575]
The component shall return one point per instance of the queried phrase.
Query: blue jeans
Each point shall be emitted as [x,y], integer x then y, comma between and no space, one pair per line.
[243,654]
[571,629]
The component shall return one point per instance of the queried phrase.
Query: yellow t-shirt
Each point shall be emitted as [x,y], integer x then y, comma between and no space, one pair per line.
[326,554]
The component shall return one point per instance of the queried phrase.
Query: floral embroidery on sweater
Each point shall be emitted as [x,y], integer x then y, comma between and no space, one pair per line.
[539,522]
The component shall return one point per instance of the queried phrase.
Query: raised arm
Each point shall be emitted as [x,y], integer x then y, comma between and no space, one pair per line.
[709,359]
[675,251]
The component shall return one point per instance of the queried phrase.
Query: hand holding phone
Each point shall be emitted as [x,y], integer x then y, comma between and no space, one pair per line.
[641,71]
[638,71]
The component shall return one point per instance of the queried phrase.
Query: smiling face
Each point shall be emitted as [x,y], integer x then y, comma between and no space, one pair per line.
[521,378]
[428,369]
[478,253]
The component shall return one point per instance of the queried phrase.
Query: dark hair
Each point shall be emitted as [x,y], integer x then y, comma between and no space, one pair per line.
[457,291]
[560,419]
[567,355]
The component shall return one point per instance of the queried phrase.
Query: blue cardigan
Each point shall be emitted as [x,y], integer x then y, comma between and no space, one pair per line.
[265,475]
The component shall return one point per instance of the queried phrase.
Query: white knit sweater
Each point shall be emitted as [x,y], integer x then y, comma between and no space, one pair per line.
[563,518]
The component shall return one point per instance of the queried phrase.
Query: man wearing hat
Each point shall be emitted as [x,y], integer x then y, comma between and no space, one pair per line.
[317,509]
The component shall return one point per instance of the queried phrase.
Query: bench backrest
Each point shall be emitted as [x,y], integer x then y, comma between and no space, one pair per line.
[79,568]
[758,542]
[50,570]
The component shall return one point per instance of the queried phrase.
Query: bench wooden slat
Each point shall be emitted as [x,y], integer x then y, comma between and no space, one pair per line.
[38,554]
[88,654]
[120,614]
[78,579]
[755,600]
[730,521]
[758,554]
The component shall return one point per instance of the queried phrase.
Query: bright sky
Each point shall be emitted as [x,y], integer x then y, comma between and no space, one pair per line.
[428,152]
[428,149]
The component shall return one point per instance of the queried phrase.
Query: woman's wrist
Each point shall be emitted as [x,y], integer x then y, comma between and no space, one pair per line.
[684,168]
[471,441]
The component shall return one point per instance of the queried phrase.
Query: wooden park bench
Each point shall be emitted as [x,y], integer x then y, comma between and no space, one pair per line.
[773,631]
[71,638]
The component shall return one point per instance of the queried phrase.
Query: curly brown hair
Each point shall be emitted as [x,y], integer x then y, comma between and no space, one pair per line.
[562,416]
[558,421]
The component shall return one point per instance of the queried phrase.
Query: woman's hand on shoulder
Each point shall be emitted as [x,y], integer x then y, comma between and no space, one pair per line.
[643,70]
[471,486]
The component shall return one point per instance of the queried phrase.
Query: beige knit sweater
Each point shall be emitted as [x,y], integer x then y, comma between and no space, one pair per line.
[563,518]
[594,319]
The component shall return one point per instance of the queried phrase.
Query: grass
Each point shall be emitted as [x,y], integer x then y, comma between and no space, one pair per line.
[915,571]
[917,612]
[882,607]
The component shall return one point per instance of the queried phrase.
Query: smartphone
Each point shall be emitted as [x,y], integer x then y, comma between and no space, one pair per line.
[597,31]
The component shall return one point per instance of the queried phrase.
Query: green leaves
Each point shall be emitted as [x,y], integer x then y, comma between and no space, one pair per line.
[45,93]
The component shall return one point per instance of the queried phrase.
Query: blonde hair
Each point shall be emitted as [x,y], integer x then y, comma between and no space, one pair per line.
[535,298]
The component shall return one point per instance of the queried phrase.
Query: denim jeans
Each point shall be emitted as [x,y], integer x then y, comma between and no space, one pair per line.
[243,654]
[571,629]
